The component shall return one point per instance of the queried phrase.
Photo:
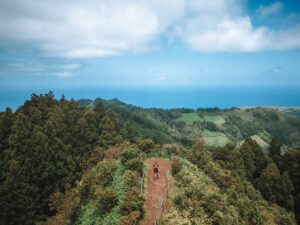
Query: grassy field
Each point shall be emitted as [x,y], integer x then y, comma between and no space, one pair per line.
[190,118]
[214,139]
[216,119]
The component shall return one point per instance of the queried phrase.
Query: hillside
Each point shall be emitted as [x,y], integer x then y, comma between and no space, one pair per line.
[82,162]
[203,192]
[217,127]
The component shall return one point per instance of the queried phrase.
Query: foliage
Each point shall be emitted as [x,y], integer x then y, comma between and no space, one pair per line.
[105,171]
[189,118]
[135,164]
[176,166]
[107,198]
[146,144]
[207,198]
[129,154]
[64,163]
[214,138]
[292,166]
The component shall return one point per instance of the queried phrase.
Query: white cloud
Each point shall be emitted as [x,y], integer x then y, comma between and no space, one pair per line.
[62,74]
[271,9]
[22,66]
[228,36]
[36,68]
[225,26]
[92,28]
[71,66]
[76,28]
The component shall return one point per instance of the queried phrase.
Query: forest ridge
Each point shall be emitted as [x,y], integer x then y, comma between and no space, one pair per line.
[79,162]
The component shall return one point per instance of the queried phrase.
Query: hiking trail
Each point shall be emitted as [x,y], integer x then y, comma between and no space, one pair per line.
[155,189]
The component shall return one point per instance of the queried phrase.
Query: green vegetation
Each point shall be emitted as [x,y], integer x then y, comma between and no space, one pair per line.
[216,119]
[108,193]
[214,139]
[66,162]
[189,118]
[218,189]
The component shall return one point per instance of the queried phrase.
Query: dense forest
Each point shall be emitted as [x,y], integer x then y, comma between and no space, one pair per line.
[81,162]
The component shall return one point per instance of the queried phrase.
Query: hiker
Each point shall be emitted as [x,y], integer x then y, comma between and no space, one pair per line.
[155,170]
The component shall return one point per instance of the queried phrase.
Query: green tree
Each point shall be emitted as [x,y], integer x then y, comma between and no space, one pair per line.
[286,198]
[276,188]
[100,113]
[6,121]
[292,165]
[199,153]
[268,182]
[146,144]
[109,135]
[275,153]
[17,206]
[254,159]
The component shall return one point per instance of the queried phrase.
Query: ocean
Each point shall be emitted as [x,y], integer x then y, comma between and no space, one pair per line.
[167,97]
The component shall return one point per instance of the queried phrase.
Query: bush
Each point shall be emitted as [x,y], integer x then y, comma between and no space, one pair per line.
[108,199]
[176,166]
[131,179]
[129,154]
[130,219]
[135,164]
[105,171]
[146,144]
[210,126]
[133,201]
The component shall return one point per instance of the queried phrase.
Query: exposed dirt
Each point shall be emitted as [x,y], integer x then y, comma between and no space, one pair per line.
[155,189]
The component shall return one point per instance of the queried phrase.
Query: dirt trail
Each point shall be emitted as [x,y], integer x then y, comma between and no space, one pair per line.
[155,189]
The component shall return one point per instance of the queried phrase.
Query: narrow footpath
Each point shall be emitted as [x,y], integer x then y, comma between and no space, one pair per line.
[155,189]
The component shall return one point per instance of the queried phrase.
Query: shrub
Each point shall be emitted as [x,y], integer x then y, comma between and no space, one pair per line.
[108,199]
[133,201]
[130,219]
[210,126]
[146,144]
[129,154]
[105,171]
[176,166]
[131,179]
[113,153]
[135,164]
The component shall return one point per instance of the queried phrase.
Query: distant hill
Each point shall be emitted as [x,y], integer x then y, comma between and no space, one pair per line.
[290,110]
[217,127]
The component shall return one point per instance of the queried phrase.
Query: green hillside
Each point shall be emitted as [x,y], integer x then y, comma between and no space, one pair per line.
[214,139]
[81,162]
[189,118]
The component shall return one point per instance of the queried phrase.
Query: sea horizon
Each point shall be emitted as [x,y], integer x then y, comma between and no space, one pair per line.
[167,97]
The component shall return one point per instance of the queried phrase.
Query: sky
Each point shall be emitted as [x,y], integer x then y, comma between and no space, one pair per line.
[65,44]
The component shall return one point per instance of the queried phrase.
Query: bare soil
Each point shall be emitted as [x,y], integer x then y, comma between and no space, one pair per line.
[155,189]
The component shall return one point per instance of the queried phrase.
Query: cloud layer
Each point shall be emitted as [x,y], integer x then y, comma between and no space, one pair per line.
[37,68]
[271,9]
[92,28]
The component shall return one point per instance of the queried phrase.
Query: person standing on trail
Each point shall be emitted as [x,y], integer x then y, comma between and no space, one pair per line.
[155,170]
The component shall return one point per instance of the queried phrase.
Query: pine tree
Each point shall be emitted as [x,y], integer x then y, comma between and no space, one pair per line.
[268,182]
[199,154]
[6,121]
[276,188]
[275,153]
[286,188]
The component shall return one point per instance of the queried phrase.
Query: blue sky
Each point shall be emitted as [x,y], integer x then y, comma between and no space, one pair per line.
[65,44]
